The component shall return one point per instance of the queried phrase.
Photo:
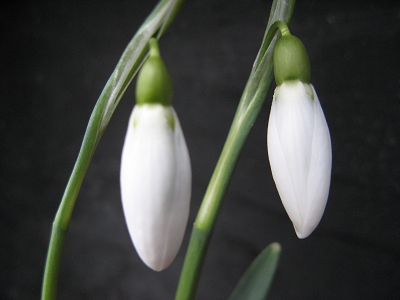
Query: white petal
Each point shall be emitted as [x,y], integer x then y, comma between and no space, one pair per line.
[155,183]
[300,156]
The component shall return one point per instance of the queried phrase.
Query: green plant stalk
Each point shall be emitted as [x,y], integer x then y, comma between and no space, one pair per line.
[249,107]
[131,60]
[206,218]
[63,216]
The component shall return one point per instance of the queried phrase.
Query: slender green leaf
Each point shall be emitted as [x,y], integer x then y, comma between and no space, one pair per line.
[257,279]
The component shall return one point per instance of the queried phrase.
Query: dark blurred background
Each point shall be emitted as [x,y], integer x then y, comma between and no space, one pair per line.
[56,57]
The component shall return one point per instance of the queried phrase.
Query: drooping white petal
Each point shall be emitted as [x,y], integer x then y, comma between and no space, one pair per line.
[299,150]
[155,183]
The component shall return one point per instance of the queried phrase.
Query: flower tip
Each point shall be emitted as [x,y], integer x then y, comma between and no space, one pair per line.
[158,265]
[302,234]
[305,229]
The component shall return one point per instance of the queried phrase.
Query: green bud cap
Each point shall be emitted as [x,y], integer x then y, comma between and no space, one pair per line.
[291,60]
[154,84]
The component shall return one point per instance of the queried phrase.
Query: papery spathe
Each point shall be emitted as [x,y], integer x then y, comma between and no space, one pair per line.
[155,183]
[300,155]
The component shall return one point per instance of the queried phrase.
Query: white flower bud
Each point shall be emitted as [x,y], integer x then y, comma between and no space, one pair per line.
[299,149]
[155,183]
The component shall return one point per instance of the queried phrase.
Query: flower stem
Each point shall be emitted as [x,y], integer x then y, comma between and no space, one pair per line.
[212,201]
[131,60]
[270,33]
[249,107]
[63,216]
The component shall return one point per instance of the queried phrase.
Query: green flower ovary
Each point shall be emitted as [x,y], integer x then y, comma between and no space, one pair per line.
[154,84]
[291,60]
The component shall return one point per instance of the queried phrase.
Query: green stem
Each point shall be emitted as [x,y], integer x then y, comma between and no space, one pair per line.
[240,129]
[249,107]
[57,238]
[63,216]
[192,266]
[209,209]
[132,58]
[270,33]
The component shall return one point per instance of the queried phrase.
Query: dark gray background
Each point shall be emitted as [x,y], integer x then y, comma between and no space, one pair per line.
[57,55]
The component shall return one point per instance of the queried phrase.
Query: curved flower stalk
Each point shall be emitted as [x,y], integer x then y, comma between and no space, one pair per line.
[155,170]
[298,139]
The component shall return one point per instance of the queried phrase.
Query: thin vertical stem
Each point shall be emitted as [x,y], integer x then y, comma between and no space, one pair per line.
[249,107]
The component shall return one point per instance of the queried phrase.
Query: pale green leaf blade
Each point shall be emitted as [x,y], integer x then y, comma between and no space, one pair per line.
[257,279]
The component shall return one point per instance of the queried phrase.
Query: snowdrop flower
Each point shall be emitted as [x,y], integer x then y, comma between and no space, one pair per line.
[298,139]
[155,169]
